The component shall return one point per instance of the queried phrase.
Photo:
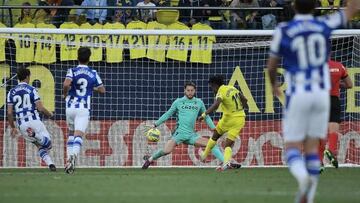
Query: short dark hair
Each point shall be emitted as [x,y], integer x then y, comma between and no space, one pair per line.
[189,83]
[304,6]
[217,79]
[23,73]
[84,54]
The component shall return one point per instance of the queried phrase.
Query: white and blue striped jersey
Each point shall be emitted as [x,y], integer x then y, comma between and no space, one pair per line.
[305,46]
[84,79]
[23,98]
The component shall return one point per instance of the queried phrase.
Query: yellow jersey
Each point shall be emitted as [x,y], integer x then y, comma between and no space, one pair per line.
[230,101]
[24,44]
[94,41]
[3,38]
[45,46]
[69,43]
[201,51]
[137,42]
[178,45]
[114,43]
[156,43]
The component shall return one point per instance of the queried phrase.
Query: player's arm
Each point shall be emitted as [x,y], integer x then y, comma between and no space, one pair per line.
[274,60]
[10,115]
[67,83]
[212,108]
[39,105]
[99,85]
[167,114]
[66,86]
[272,65]
[346,83]
[243,101]
[42,109]
[100,89]
[208,119]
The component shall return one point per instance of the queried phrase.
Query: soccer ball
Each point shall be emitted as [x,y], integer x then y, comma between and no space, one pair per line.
[153,135]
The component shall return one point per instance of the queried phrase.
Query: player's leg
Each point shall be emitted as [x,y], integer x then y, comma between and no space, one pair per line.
[218,132]
[168,148]
[294,125]
[43,142]
[81,122]
[334,125]
[332,141]
[318,125]
[70,117]
[202,142]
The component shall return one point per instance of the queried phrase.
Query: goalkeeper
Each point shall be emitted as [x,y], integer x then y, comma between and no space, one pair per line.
[187,109]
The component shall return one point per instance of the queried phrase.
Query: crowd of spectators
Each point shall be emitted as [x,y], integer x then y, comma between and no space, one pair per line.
[247,18]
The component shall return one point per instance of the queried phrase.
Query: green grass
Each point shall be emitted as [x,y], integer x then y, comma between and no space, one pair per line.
[171,186]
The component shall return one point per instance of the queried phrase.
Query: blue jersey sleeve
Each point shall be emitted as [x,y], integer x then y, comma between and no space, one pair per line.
[335,20]
[275,46]
[35,95]
[98,81]
[69,74]
[9,99]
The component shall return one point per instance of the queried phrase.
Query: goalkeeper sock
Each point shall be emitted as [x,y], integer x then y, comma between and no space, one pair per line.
[333,138]
[159,153]
[217,153]
[77,145]
[45,156]
[227,155]
[313,168]
[321,150]
[211,143]
[69,146]
[297,168]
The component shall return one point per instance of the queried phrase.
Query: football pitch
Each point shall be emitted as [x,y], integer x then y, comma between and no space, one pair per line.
[171,185]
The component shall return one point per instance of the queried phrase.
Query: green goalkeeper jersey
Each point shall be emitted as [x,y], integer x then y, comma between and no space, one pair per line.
[187,112]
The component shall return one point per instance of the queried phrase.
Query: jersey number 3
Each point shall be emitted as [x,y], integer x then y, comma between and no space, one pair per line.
[311,51]
[82,82]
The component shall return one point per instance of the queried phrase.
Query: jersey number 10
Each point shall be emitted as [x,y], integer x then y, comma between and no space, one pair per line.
[311,51]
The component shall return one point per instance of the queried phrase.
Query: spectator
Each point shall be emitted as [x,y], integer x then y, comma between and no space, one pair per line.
[94,15]
[42,13]
[269,17]
[332,4]
[124,15]
[246,18]
[60,15]
[190,17]
[146,15]
[25,16]
[215,17]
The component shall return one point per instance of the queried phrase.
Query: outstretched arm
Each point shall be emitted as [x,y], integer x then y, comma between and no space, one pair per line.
[42,109]
[166,115]
[208,119]
[272,70]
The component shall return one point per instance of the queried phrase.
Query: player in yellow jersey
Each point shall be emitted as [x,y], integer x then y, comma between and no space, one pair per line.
[232,103]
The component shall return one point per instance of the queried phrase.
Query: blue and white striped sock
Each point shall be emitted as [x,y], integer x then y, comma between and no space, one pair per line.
[69,146]
[313,167]
[45,156]
[297,168]
[77,145]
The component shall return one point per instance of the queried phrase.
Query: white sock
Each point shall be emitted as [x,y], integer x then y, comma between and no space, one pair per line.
[77,145]
[313,167]
[297,168]
[70,146]
[45,156]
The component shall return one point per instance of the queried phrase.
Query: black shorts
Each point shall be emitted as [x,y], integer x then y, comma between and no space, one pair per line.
[335,109]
